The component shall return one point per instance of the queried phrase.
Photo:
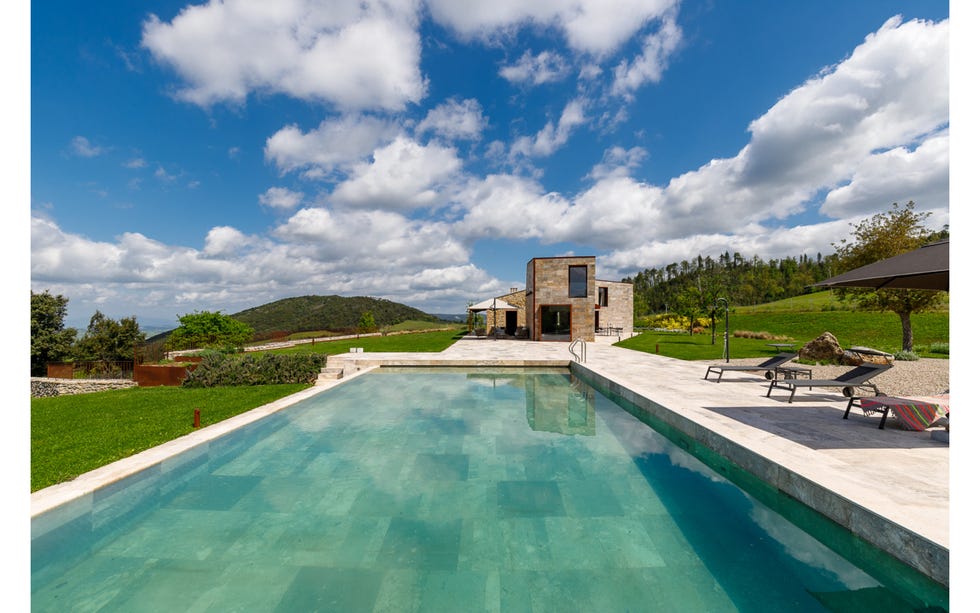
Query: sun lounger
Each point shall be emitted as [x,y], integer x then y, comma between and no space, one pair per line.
[916,413]
[770,366]
[857,377]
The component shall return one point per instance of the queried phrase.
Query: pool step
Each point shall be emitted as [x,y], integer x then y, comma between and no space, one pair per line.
[330,373]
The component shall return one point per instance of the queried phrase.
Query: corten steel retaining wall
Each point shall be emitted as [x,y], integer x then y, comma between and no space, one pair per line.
[61,371]
[153,376]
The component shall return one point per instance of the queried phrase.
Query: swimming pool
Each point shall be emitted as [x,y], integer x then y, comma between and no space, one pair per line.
[446,489]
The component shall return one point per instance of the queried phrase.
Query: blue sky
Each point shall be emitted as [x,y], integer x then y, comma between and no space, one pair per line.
[223,155]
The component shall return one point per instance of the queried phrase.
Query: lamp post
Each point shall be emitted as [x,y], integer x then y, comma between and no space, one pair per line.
[725,301]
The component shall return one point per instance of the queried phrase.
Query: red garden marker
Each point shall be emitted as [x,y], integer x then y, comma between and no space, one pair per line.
[197,418]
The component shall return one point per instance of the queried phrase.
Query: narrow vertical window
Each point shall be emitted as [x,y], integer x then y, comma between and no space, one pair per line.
[578,281]
[603,296]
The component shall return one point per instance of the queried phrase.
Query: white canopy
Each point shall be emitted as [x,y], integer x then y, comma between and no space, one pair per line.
[493,303]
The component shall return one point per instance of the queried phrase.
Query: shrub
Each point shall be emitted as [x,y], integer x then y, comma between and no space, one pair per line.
[765,336]
[906,356]
[217,369]
[939,348]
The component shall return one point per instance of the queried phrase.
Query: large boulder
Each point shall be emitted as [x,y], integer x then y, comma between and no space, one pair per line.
[855,356]
[824,348]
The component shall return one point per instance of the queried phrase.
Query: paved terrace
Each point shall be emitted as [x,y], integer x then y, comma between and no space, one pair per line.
[889,486]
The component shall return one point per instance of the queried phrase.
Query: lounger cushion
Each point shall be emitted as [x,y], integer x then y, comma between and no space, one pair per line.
[914,413]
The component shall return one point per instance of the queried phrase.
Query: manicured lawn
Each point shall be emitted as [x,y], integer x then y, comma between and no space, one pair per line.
[852,328]
[420,342]
[74,434]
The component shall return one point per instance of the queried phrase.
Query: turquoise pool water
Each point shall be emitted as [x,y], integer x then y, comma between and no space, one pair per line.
[444,490]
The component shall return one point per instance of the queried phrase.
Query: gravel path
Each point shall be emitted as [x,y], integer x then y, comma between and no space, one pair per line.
[924,377]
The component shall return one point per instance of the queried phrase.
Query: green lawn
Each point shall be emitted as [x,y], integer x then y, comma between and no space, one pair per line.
[74,434]
[852,328]
[420,341]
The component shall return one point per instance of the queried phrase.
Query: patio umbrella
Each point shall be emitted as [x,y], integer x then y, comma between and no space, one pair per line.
[924,268]
[491,304]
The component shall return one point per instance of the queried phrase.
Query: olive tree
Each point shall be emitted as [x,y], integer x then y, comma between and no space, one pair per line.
[107,340]
[209,330]
[51,341]
[881,236]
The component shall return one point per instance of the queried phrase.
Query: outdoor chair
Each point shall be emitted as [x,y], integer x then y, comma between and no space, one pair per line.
[770,367]
[856,378]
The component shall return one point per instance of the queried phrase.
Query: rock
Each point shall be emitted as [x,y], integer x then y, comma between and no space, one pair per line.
[824,348]
[855,356]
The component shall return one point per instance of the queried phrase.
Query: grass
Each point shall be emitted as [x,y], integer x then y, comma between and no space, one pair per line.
[852,328]
[73,434]
[417,342]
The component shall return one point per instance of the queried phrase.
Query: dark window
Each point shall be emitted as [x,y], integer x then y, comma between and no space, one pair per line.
[603,296]
[578,281]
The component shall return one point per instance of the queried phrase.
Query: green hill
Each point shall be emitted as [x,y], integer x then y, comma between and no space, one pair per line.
[326,313]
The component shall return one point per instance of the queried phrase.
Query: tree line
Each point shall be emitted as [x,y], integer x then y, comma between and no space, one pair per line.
[696,287]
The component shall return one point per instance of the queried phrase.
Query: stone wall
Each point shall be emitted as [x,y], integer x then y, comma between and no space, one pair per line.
[43,387]
[516,298]
[548,280]
[618,313]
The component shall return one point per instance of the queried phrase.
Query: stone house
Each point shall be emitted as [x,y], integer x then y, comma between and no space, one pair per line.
[564,301]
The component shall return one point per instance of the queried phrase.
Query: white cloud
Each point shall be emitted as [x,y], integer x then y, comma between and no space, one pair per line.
[896,175]
[403,175]
[544,67]
[224,241]
[618,162]
[551,136]
[455,119]
[356,54]
[589,26]
[334,143]
[316,252]
[135,163]
[649,66]
[81,147]
[280,198]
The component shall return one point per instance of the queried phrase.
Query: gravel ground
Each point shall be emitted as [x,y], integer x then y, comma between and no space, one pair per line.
[924,377]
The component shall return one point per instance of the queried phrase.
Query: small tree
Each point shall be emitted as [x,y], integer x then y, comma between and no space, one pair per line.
[107,340]
[209,330]
[366,325]
[687,303]
[51,341]
[883,236]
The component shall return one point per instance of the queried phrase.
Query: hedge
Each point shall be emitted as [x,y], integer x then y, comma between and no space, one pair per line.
[217,369]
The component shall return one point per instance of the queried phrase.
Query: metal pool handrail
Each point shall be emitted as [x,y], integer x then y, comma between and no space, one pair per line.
[571,350]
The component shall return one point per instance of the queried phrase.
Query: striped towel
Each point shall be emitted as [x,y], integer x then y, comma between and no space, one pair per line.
[915,413]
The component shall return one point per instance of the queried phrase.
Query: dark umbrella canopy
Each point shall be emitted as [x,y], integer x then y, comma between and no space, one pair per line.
[924,268]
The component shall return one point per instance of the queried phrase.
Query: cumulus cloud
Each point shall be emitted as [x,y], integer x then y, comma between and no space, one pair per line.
[618,162]
[551,136]
[82,147]
[281,198]
[455,119]
[589,26]
[402,175]
[336,142]
[351,253]
[649,66]
[224,241]
[355,54]
[895,175]
[893,90]
[544,67]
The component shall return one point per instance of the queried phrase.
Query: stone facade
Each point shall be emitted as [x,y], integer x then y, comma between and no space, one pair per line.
[548,282]
[615,310]
[516,297]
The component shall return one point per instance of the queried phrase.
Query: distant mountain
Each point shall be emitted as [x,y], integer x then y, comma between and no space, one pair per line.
[306,313]
[453,317]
